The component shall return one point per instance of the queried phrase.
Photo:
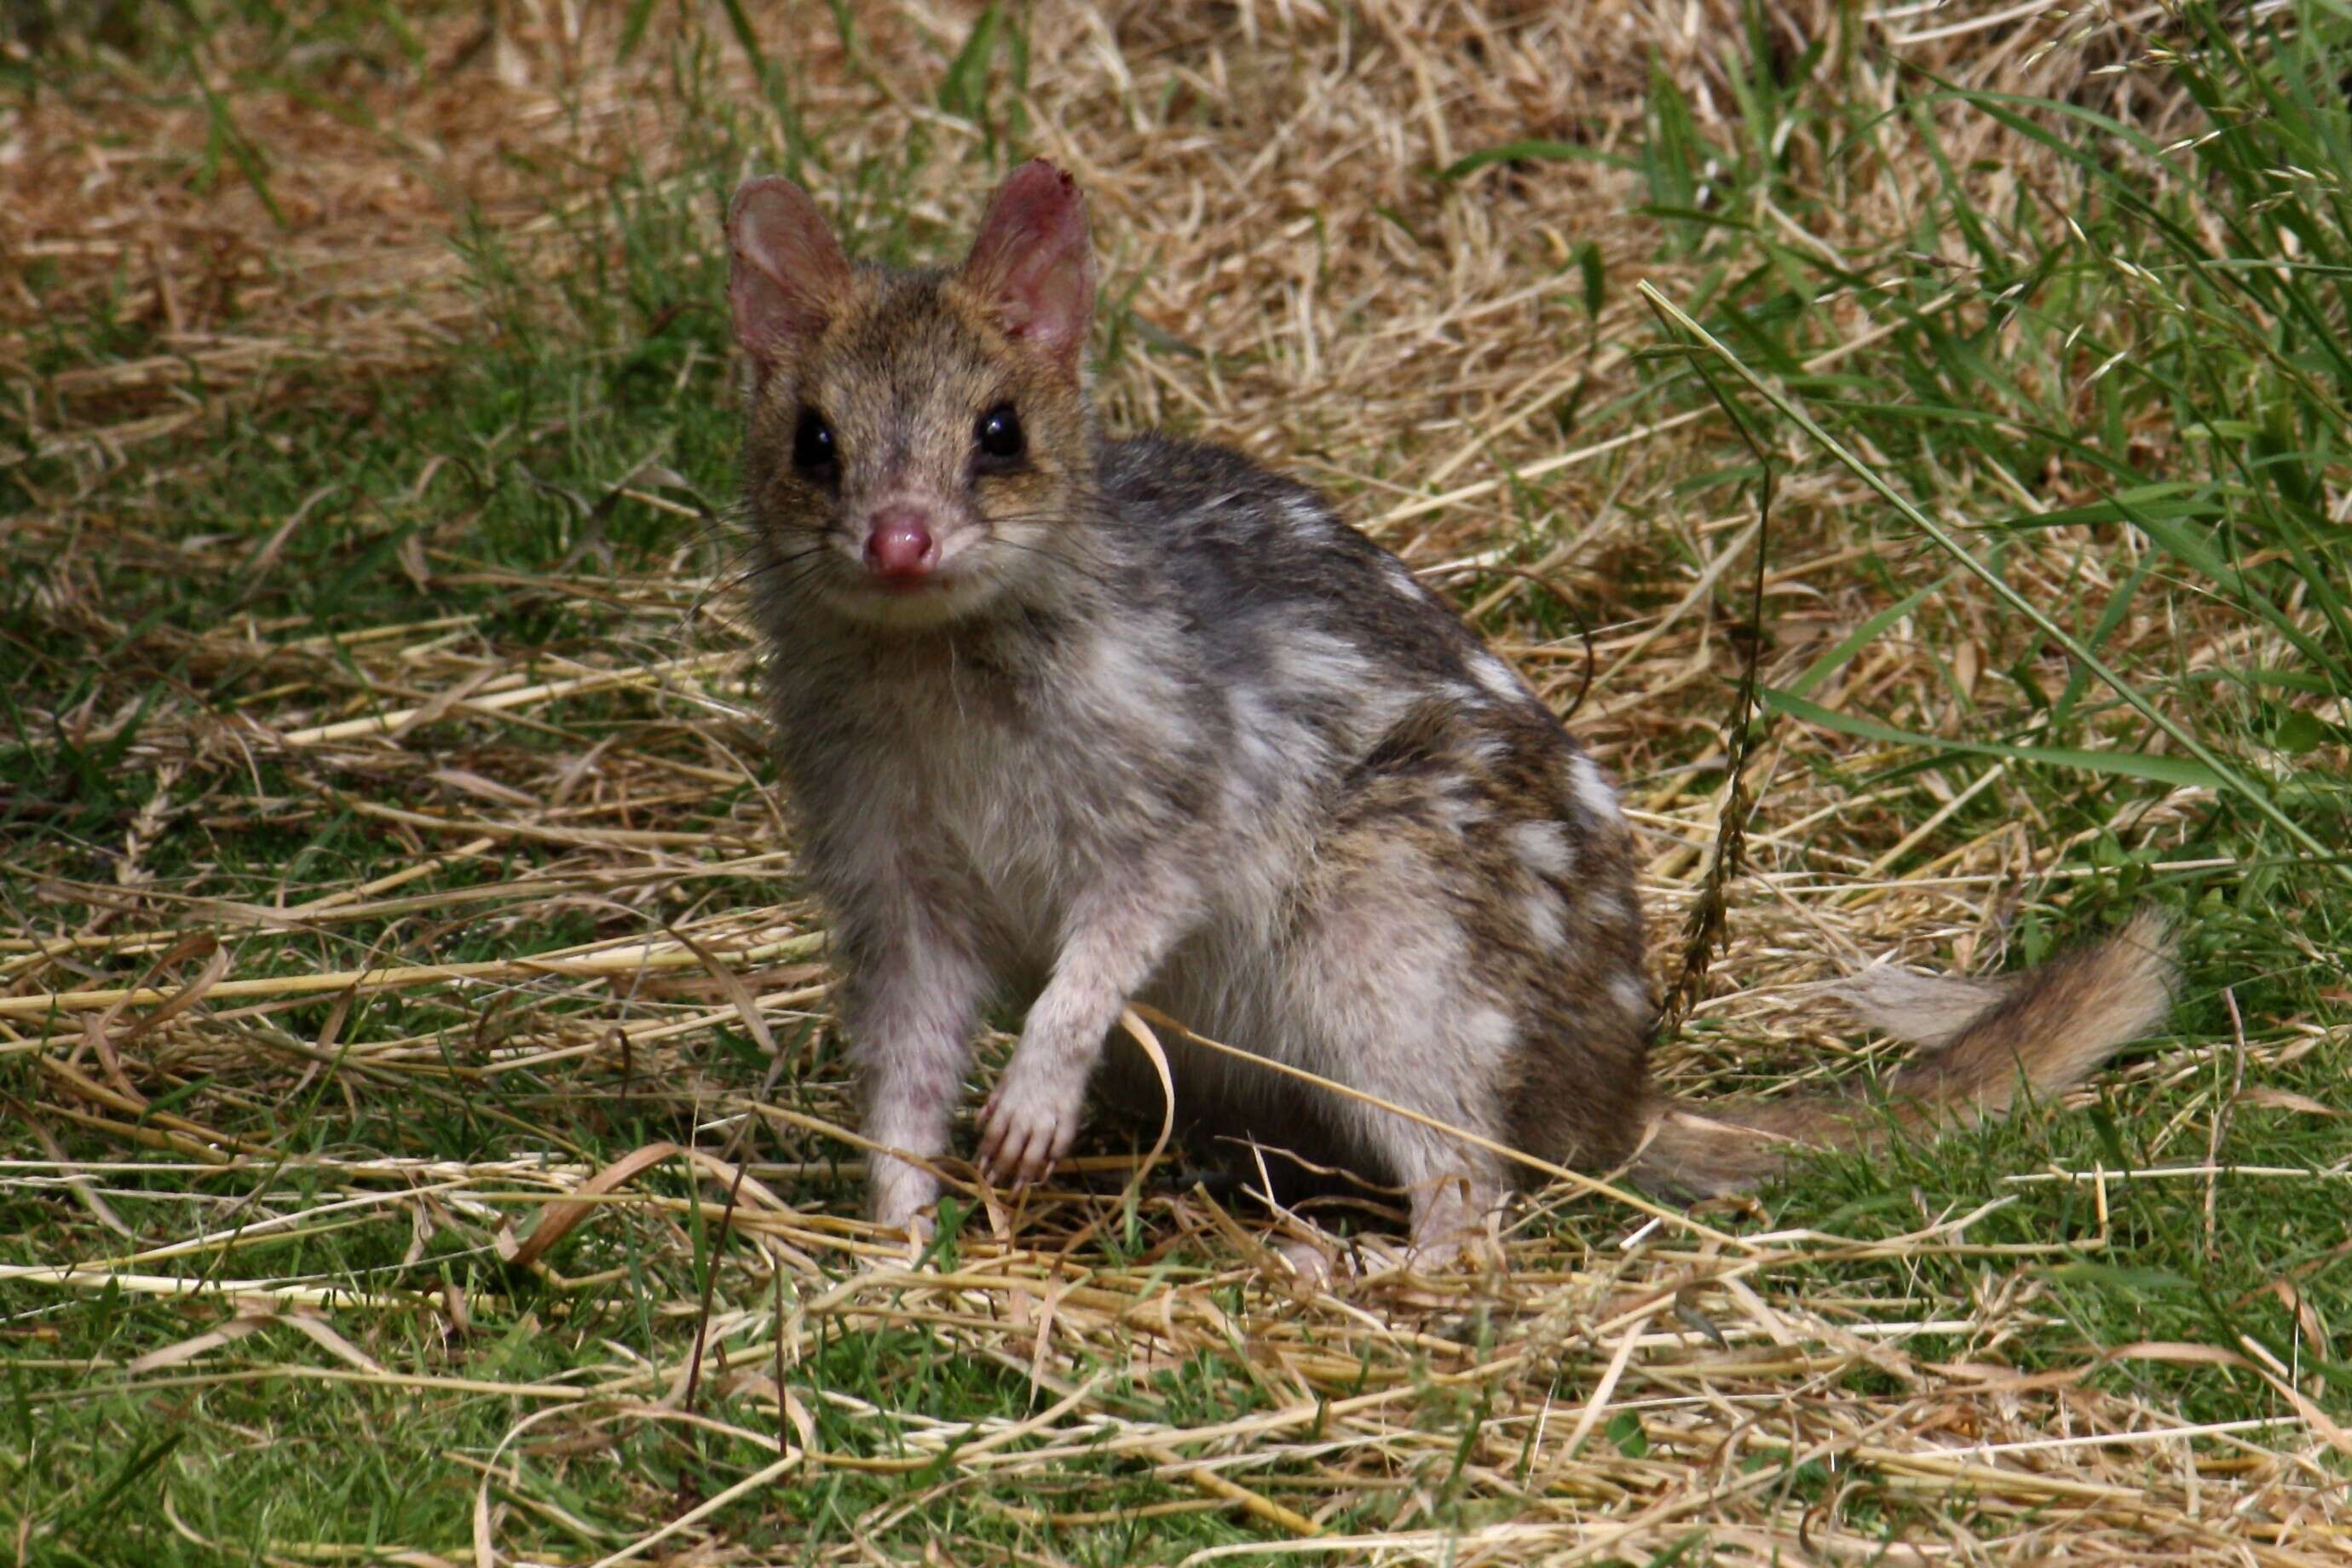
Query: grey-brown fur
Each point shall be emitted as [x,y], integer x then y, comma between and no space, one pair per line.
[1137,718]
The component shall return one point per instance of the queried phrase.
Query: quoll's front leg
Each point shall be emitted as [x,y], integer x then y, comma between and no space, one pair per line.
[1116,937]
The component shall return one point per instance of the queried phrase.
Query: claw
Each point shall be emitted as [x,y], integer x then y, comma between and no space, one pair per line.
[1022,1133]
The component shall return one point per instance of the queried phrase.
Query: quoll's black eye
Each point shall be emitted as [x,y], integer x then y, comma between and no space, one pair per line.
[999,438]
[812,446]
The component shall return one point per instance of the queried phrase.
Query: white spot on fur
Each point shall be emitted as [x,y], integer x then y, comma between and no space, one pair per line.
[1541,912]
[1130,691]
[1333,675]
[1592,790]
[1308,516]
[1495,675]
[1258,738]
[1458,806]
[1400,578]
[1306,660]
[1462,694]
[1212,506]
[1542,847]
[1633,994]
[1483,751]
[1490,1032]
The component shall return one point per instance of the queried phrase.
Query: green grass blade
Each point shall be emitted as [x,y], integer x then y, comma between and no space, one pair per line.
[2224,775]
[2177,771]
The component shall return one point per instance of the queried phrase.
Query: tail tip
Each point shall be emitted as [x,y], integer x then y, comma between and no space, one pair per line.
[2150,943]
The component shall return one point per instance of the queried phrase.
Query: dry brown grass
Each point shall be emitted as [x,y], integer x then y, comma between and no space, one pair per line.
[1260,175]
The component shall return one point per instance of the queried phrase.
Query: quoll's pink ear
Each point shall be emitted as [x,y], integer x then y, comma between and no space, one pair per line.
[785,272]
[1033,264]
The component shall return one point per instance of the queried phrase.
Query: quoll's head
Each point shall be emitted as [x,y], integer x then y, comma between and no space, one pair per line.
[917,441]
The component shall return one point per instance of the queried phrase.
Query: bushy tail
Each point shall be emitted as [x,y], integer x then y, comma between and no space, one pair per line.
[1990,1042]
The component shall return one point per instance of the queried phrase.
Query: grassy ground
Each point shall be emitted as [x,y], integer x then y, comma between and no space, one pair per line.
[424,1139]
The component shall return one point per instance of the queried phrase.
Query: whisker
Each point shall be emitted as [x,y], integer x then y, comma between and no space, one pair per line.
[778,563]
[758,568]
[1101,579]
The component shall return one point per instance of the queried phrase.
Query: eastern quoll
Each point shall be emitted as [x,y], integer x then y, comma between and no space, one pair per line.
[1086,721]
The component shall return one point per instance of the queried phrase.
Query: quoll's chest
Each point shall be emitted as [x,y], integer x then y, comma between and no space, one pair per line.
[1003,798]
[985,784]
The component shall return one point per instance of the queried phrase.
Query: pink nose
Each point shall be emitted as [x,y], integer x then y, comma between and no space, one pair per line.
[899,545]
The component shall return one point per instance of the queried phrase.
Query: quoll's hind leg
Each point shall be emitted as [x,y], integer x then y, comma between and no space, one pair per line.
[1391,992]
[1467,946]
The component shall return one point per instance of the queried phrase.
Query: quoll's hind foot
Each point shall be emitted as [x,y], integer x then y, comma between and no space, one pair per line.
[1321,1265]
[1454,1222]
[1313,1264]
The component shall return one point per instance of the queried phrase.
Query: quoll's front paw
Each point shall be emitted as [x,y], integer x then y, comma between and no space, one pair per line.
[1029,1123]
